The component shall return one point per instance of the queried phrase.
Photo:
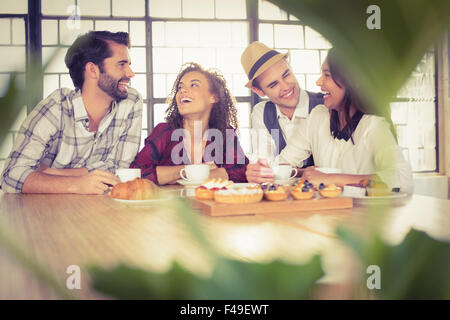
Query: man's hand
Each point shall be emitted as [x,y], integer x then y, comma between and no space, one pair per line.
[259,172]
[317,177]
[94,182]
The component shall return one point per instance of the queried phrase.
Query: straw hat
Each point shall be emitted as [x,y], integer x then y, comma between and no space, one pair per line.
[257,58]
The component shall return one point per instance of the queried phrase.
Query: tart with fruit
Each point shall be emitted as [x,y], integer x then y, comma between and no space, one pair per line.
[329,190]
[250,194]
[275,192]
[303,190]
[209,187]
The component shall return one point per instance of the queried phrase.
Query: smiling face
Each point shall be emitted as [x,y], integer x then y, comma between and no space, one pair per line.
[334,94]
[279,84]
[116,73]
[193,96]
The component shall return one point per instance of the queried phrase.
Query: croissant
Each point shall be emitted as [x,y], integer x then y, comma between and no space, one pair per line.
[137,189]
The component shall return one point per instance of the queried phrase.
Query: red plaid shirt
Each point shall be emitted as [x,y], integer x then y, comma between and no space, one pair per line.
[158,152]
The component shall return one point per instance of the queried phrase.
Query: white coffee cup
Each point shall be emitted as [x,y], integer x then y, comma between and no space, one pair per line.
[284,172]
[195,172]
[128,174]
[329,170]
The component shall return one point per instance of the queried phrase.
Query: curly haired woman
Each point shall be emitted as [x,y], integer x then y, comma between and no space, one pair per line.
[200,128]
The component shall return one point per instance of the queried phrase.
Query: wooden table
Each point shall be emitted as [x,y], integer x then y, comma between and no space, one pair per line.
[62,230]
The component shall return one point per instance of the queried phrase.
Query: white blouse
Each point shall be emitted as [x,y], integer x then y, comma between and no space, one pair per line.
[375,150]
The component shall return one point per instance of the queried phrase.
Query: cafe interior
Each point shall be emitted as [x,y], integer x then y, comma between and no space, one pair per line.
[73,246]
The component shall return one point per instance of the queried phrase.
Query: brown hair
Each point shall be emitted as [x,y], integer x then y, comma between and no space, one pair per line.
[223,113]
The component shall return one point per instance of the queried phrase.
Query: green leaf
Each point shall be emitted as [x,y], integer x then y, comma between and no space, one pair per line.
[230,280]
[380,60]
[417,268]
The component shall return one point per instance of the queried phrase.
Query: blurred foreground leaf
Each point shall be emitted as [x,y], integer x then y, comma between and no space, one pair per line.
[380,60]
[230,280]
[417,268]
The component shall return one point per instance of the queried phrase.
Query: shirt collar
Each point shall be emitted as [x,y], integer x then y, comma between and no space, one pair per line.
[79,109]
[301,110]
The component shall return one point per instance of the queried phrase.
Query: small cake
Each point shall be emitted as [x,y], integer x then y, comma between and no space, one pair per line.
[137,189]
[377,188]
[275,192]
[303,190]
[209,187]
[241,195]
[329,190]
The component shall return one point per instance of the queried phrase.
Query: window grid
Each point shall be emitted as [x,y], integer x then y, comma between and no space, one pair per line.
[422,153]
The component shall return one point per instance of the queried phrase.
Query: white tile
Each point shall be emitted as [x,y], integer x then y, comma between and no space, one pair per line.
[16,6]
[137,33]
[314,40]
[95,8]
[198,9]
[49,32]
[305,61]
[111,25]
[58,7]
[231,9]
[5,35]
[165,8]
[288,36]
[128,8]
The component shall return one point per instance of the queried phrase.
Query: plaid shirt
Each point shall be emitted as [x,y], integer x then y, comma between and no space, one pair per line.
[56,134]
[160,145]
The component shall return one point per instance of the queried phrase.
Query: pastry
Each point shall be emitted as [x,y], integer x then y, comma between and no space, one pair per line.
[303,190]
[377,188]
[243,195]
[275,192]
[209,187]
[137,189]
[329,190]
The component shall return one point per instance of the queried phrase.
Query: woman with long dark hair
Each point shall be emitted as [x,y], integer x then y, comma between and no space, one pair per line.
[200,127]
[343,134]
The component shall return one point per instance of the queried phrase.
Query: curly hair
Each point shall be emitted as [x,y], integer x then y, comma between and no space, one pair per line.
[223,113]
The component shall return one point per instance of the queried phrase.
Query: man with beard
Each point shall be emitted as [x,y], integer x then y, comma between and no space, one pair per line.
[74,140]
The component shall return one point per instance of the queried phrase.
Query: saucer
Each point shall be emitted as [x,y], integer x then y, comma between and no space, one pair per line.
[187,183]
[285,181]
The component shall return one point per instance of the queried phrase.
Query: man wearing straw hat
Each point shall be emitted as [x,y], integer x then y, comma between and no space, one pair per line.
[270,75]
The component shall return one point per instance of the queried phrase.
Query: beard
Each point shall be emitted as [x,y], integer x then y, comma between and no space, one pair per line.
[110,86]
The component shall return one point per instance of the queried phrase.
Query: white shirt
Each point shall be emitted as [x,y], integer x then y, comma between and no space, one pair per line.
[263,146]
[375,150]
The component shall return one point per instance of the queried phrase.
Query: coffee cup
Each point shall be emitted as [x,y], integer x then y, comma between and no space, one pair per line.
[284,172]
[195,172]
[128,174]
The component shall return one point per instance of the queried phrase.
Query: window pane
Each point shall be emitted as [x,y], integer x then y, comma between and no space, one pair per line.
[58,7]
[95,8]
[209,32]
[203,56]
[128,8]
[159,113]
[144,116]
[111,25]
[49,32]
[243,114]
[57,65]
[13,59]
[229,59]
[51,83]
[287,36]
[305,61]
[314,40]
[231,9]
[137,33]
[198,8]
[5,35]
[4,82]
[138,59]
[239,34]
[166,60]
[16,6]
[159,86]
[165,8]
[238,86]
[311,82]
[66,81]
[69,33]
[266,34]
[139,82]
[158,34]
[301,80]
[182,34]
[269,11]
[18,35]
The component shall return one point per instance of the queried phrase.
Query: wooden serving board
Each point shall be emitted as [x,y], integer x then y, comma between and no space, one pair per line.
[215,209]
